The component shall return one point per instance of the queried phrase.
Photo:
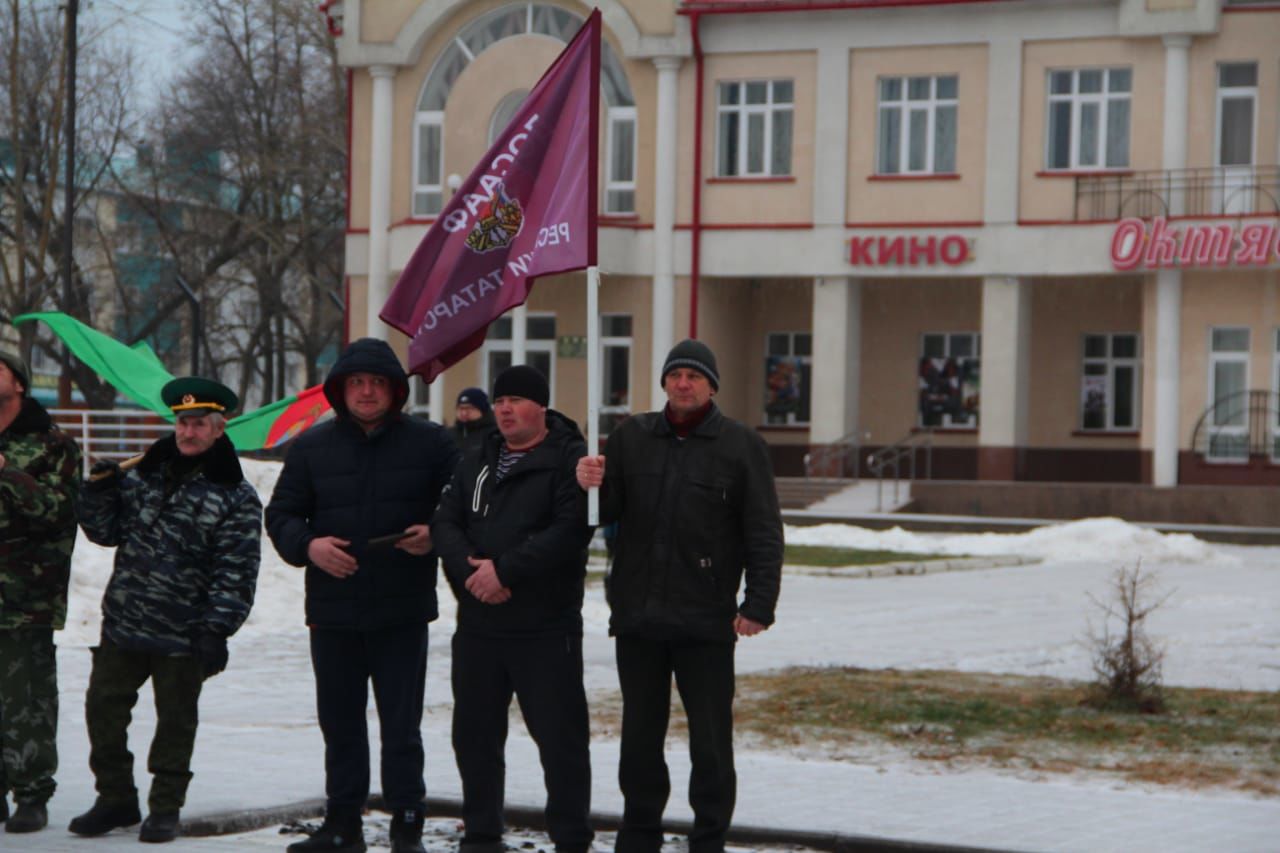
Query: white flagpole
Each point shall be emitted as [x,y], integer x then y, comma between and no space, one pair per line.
[593,383]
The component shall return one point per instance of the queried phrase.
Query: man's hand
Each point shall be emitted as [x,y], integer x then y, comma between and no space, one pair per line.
[590,472]
[745,627]
[327,554]
[210,651]
[418,542]
[105,474]
[484,583]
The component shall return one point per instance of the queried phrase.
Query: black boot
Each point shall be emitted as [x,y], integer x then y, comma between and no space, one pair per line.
[104,817]
[338,834]
[406,831]
[28,817]
[4,809]
[159,828]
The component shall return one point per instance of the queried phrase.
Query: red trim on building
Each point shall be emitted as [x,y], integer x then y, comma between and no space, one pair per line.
[748,226]
[632,224]
[940,176]
[1085,173]
[977,223]
[357,231]
[1261,7]
[752,179]
[731,7]
[1098,433]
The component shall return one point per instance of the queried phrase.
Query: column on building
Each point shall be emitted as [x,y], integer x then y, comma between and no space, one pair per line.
[1163,425]
[836,377]
[1006,369]
[664,223]
[381,126]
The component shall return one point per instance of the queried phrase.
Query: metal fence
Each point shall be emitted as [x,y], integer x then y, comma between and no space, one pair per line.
[1217,191]
[110,434]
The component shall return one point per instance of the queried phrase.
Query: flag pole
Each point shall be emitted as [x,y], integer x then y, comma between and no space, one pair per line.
[593,383]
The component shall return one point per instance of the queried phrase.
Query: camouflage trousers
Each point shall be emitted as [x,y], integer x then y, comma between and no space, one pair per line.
[117,676]
[28,714]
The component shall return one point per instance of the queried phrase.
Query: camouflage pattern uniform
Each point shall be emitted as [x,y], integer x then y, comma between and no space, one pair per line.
[38,486]
[188,534]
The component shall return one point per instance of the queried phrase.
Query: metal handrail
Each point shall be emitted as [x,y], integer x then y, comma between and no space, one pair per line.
[893,456]
[110,433]
[1237,426]
[1210,191]
[834,457]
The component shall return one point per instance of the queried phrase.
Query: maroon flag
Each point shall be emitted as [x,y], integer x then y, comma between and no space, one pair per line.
[528,209]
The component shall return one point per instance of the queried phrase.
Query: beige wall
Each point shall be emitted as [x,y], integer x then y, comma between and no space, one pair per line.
[1062,312]
[871,201]
[1052,198]
[651,18]
[739,201]
[381,20]
[1244,38]
[894,316]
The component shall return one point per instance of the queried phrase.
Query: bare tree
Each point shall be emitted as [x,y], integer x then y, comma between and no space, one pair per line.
[1127,663]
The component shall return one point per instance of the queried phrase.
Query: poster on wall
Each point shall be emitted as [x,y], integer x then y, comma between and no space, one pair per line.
[782,389]
[949,389]
[1093,402]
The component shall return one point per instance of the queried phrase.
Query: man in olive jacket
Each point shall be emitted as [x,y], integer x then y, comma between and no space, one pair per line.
[512,532]
[693,495]
[39,478]
[348,489]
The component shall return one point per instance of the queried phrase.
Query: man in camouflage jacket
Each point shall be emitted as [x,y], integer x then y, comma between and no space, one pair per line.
[187,529]
[39,477]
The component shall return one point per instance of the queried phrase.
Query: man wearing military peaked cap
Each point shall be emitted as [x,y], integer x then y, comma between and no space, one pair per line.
[185,514]
[195,395]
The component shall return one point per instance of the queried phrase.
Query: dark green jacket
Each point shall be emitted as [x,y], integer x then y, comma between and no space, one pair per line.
[38,486]
[188,540]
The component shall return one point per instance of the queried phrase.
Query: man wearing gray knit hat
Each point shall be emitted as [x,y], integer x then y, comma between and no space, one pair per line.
[693,496]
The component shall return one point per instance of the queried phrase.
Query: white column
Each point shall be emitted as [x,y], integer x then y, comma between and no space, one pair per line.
[1164,452]
[380,127]
[1177,75]
[664,223]
[837,363]
[1006,353]
[831,158]
[520,335]
[1004,97]
[435,400]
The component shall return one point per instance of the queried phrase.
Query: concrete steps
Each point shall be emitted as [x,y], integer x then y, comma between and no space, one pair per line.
[800,492]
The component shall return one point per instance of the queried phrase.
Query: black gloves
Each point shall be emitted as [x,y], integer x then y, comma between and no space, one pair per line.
[210,651]
[105,474]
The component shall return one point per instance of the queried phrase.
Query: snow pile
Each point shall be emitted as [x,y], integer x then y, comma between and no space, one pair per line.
[1091,539]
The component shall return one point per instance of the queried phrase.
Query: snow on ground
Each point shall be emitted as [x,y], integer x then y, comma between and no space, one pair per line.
[259,745]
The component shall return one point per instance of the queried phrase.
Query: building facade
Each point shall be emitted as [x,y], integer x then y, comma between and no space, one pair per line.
[1047,233]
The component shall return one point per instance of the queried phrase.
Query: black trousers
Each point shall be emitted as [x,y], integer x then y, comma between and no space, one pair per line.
[704,677]
[114,682]
[395,660]
[545,674]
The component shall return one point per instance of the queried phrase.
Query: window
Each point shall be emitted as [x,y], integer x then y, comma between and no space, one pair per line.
[1236,118]
[1228,387]
[540,348]
[615,345]
[428,157]
[788,366]
[620,157]
[949,379]
[1089,118]
[754,128]
[917,133]
[1109,382]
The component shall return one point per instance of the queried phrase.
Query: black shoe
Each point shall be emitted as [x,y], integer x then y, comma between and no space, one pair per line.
[333,837]
[104,817]
[4,809]
[28,817]
[159,828]
[472,844]
[406,831]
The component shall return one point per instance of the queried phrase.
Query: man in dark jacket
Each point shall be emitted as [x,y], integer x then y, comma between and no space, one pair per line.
[353,505]
[693,495]
[512,532]
[39,478]
[187,529]
[473,418]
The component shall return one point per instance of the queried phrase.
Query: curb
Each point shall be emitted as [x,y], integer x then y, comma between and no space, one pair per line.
[916,567]
[229,823]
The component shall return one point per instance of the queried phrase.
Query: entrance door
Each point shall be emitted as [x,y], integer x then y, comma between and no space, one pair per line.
[1234,140]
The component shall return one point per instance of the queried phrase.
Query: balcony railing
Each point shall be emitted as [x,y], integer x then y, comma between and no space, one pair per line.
[1217,191]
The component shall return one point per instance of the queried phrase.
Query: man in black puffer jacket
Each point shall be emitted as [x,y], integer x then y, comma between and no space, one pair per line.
[347,486]
[512,532]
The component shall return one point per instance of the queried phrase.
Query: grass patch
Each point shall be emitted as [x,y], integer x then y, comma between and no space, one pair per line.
[1206,737]
[824,555]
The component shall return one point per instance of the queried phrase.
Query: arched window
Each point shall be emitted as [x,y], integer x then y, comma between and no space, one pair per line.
[474,38]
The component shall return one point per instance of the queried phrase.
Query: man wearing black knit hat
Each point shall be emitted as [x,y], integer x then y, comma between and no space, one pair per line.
[693,495]
[511,532]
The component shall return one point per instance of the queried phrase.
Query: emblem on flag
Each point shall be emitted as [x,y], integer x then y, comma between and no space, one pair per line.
[497,224]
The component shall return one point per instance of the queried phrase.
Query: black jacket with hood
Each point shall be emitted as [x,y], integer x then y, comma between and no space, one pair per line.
[533,525]
[339,481]
[694,516]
